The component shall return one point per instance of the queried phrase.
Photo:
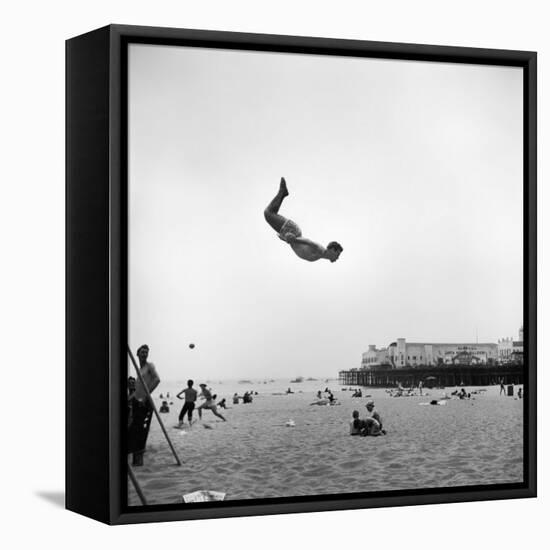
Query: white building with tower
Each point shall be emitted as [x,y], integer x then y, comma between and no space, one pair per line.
[400,354]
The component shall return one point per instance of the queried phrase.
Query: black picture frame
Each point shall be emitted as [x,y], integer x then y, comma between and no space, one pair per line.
[96,270]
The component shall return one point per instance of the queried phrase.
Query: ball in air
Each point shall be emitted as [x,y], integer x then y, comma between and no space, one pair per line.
[191,346]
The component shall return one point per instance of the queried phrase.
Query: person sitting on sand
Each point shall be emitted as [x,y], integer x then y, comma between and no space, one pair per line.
[357,425]
[364,427]
[189,403]
[289,232]
[208,403]
[164,408]
[375,427]
[235,399]
[222,404]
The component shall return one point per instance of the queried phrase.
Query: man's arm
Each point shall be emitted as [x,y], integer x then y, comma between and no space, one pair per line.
[292,239]
[154,379]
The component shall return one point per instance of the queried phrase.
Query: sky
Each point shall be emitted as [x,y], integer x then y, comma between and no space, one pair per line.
[416,168]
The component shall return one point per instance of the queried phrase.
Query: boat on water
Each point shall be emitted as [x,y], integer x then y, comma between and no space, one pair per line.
[297,380]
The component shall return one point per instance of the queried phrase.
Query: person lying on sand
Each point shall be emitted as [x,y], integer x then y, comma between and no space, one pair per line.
[320,402]
[209,403]
[291,233]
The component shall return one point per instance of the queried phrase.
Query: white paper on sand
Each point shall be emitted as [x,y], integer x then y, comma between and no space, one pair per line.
[203,496]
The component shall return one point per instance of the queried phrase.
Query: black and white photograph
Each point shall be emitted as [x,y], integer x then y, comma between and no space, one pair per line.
[325,275]
[275,275]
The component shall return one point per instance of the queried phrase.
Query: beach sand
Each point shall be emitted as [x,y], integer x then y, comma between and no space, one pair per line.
[254,455]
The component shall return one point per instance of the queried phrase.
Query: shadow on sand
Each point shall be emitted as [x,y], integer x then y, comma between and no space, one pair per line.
[57,498]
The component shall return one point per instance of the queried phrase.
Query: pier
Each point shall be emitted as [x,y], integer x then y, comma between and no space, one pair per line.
[433,376]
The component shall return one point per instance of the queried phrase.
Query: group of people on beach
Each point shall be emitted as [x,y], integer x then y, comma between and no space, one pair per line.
[140,404]
[400,391]
[370,424]
[190,397]
[325,398]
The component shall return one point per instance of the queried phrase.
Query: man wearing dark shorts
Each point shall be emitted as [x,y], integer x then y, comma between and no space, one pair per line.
[189,404]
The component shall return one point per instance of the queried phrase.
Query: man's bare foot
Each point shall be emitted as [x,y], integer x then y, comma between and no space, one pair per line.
[282,188]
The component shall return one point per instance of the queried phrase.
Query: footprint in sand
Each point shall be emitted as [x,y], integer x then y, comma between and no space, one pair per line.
[316,472]
[350,464]
[253,471]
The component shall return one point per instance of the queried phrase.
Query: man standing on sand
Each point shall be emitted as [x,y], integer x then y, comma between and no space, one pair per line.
[141,407]
[189,404]
[209,402]
[289,232]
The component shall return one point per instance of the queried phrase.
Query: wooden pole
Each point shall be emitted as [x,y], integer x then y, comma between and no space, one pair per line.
[138,371]
[136,486]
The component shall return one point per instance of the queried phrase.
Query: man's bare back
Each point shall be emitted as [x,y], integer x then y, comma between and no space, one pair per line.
[306,249]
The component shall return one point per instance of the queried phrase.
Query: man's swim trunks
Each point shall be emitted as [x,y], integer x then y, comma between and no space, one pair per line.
[290,227]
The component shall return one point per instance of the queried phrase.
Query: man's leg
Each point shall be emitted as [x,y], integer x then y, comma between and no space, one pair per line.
[190,412]
[144,418]
[182,414]
[215,411]
[271,213]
